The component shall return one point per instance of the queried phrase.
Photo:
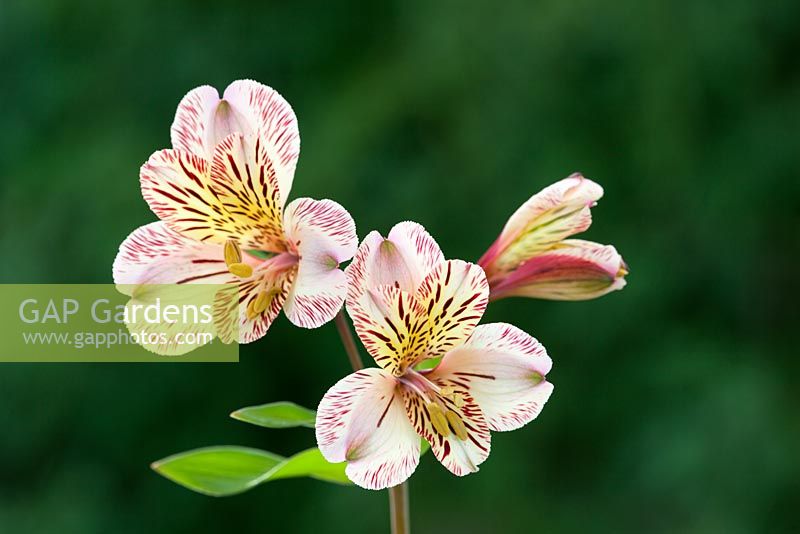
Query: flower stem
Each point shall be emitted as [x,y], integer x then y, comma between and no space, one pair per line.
[398,495]
[398,508]
[348,341]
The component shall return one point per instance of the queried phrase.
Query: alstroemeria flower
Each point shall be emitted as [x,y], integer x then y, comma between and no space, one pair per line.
[221,193]
[490,377]
[532,257]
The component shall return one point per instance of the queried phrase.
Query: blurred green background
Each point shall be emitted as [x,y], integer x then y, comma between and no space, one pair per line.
[676,401]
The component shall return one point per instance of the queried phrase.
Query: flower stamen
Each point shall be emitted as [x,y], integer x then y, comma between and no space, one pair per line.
[438,419]
[457,424]
[242,270]
[233,259]
[233,254]
[251,314]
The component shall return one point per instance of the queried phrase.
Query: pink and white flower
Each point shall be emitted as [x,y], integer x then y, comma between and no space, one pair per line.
[221,194]
[532,257]
[408,305]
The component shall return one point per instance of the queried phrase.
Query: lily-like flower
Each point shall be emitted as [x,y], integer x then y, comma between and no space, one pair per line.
[532,257]
[489,377]
[221,194]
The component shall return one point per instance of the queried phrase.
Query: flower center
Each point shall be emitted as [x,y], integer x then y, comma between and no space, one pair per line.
[269,271]
[271,283]
[441,402]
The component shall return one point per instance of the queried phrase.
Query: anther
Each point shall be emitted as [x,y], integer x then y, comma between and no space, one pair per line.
[233,254]
[451,393]
[261,302]
[242,270]
[438,419]
[457,424]
[251,313]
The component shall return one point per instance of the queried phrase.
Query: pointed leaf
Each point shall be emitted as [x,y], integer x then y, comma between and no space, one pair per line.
[277,415]
[311,463]
[218,471]
[228,470]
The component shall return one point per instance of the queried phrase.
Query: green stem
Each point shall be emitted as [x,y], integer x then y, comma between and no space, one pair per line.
[348,341]
[398,495]
[398,508]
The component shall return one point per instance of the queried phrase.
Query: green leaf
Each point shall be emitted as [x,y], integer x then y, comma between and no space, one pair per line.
[311,463]
[218,471]
[228,470]
[277,415]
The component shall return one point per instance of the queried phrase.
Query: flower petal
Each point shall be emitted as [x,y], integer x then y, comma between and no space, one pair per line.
[555,213]
[193,128]
[420,251]
[362,420]
[153,258]
[572,270]
[361,273]
[403,260]
[393,327]
[454,296]
[204,119]
[460,456]
[244,180]
[324,235]
[157,254]
[273,118]
[178,188]
[504,370]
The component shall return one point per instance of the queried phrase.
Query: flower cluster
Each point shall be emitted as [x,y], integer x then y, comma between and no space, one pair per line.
[221,196]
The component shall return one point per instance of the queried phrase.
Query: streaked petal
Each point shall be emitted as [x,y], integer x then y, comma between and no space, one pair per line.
[555,213]
[324,235]
[156,254]
[203,120]
[572,270]
[322,229]
[273,118]
[153,258]
[419,250]
[362,420]
[244,180]
[403,260]
[316,296]
[454,296]
[460,456]
[276,285]
[361,273]
[504,370]
[178,188]
[392,325]
[193,128]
